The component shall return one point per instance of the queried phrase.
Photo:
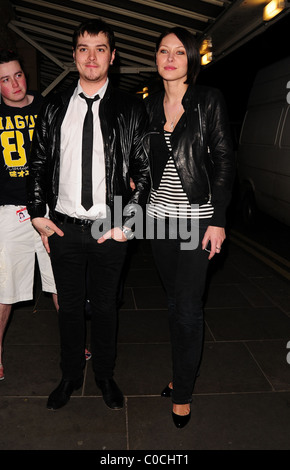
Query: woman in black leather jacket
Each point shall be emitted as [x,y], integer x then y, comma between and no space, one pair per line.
[192,174]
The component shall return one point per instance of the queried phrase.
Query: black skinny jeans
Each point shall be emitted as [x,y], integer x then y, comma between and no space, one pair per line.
[183,273]
[85,269]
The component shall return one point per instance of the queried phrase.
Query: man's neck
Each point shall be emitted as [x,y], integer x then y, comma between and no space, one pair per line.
[19,104]
[91,88]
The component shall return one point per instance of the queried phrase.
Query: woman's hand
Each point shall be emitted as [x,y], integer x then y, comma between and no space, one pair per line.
[215,236]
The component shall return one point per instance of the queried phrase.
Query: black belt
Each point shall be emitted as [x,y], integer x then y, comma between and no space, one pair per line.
[58,217]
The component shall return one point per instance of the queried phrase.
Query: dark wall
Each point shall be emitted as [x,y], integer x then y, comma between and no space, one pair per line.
[234,75]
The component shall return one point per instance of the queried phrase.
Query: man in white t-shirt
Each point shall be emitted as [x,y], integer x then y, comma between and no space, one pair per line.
[19,241]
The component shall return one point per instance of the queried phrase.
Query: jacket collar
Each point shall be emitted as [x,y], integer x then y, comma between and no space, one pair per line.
[67,94]
[189,96]
[189,99]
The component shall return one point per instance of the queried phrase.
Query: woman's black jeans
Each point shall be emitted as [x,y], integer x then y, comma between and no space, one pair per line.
[183,273]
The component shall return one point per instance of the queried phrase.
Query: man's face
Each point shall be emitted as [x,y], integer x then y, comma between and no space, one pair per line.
[12,83]
[93,57]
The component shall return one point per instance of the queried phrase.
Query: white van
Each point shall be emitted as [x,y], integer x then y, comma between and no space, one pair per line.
[264,145]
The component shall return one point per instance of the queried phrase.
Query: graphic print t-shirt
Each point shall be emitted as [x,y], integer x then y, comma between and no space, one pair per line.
[16,131]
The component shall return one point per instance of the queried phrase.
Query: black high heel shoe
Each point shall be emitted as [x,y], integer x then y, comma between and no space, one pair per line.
[180,420]
[166,392]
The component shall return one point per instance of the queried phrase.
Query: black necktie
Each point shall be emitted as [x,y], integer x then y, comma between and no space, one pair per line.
[87,154]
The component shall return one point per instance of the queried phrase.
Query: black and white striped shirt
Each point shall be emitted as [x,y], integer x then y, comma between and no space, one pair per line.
[170,199]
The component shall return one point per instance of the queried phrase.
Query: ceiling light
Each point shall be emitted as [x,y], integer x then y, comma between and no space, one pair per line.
[206,46]
[144,92]
[272,9]
[205,50]
[206,58]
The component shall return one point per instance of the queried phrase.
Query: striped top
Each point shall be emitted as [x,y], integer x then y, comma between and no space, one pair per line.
[170,199]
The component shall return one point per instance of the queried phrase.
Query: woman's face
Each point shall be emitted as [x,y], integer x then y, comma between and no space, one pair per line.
[171,59]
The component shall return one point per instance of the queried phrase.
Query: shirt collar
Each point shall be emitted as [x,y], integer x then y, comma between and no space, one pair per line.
[101,92]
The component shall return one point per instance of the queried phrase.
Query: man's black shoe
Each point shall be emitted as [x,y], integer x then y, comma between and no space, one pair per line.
[61,395]
[113,397]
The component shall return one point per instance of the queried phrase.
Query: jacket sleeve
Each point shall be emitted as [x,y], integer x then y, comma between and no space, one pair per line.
[222,157]
[38,166]
[138,160]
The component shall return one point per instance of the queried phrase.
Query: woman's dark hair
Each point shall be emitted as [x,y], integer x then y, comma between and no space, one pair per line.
[192,51]
[7,55]
[94,27]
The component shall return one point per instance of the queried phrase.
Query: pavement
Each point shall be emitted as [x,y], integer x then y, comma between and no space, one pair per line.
[241,398]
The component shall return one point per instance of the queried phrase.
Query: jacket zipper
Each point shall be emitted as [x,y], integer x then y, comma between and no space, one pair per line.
[208,182]
[200,123]
[208,151]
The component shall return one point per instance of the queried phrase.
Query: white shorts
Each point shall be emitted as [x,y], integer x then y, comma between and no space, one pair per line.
[19,243]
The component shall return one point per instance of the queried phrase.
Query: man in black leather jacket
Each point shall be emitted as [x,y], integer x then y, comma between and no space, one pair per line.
[79,260]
